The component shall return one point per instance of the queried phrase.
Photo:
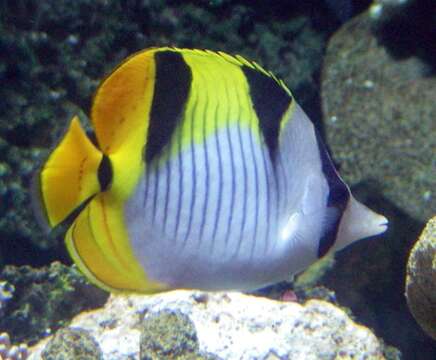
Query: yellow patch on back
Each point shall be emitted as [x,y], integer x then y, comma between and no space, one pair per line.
[98,240]
[219,97]
[121,105]
[120,115]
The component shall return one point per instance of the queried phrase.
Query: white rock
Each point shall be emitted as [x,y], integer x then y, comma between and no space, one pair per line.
[233,326]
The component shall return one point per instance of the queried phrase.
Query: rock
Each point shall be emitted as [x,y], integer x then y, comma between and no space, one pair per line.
[227,326]
[380,123]
[12,352]
[168,335]
[72,344]
[421,279]
[379,117]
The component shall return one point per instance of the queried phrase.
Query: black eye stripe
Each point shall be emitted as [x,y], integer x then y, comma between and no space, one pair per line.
[105,173]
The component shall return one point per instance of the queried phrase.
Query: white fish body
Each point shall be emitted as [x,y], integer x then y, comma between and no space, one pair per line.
[206,174]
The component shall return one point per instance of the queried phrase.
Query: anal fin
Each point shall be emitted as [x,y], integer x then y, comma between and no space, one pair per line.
[103,252]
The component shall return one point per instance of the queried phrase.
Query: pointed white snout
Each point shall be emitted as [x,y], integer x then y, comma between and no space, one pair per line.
[380,222]
[358,222]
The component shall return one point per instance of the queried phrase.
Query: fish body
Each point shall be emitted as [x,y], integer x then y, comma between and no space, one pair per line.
[206,174]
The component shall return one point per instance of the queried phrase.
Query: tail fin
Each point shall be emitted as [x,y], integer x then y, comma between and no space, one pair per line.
[69,176]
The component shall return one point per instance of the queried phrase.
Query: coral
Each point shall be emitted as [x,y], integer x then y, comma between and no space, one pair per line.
[169,335]
[75,344]
[6,294]
[45,299]
[12,352]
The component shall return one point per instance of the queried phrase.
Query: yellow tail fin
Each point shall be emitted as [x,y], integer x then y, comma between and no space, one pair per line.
[69,176]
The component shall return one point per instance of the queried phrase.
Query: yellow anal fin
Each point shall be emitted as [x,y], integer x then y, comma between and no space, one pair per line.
[98,243]
[70,174]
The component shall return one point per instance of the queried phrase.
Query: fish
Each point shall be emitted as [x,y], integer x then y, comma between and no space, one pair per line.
[204,173]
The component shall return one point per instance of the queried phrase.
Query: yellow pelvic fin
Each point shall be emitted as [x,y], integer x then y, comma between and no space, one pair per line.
[99,245]
[69,176]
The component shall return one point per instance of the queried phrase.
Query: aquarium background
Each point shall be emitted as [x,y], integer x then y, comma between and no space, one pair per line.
[367,81]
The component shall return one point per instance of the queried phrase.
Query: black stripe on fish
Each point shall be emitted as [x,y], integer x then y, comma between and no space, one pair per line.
[171,90]
[338,198]
[256,191]
[220,180]
[270,101]
[244,191]
[207,171]
[104,173]
[193,174]
[232,167]
[180,190]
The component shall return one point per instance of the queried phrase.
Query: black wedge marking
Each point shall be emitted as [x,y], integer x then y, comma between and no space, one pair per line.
[171,90]
[338,197]
[206,178]
[105,173]
[270,101]
[256,197]
[181,190]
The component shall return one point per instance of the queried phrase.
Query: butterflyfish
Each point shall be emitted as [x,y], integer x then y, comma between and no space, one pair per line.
[205,174]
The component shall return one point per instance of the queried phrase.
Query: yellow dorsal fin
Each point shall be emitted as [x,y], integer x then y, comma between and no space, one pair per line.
[238,60]
[69,176]
[121,106]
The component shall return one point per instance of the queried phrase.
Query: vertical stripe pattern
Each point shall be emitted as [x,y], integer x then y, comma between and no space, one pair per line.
[205,174]
[210,193]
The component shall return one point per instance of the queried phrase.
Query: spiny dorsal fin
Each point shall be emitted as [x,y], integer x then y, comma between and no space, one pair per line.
[240,61]
[269,95]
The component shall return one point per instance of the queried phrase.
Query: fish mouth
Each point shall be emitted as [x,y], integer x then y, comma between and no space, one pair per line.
[383,224]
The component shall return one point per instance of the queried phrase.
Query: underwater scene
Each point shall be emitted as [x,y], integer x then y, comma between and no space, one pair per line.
[218,179]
